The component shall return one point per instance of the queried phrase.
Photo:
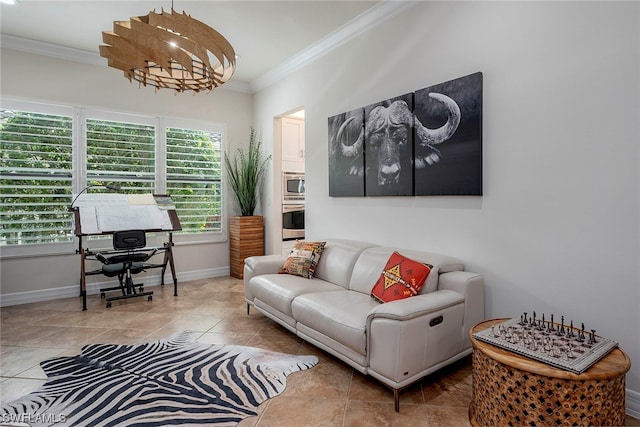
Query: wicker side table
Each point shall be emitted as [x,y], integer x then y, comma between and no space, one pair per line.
[509,389]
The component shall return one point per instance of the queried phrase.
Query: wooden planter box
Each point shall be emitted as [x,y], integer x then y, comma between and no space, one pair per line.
[246,238]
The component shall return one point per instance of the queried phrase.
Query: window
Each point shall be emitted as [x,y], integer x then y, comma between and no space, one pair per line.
[48,156]
[35,177]
[122,153]
[193,177]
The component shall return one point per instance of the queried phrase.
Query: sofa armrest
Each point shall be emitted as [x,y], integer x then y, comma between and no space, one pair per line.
[419,305]
[265,264]
[471,286]
[259,265]
[409,338]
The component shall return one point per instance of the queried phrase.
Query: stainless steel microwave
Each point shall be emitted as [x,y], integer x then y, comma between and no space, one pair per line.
[292,187]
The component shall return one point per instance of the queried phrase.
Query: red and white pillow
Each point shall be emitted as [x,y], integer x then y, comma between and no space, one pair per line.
[401,278]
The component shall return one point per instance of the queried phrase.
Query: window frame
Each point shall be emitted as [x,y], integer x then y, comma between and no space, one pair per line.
[79,167]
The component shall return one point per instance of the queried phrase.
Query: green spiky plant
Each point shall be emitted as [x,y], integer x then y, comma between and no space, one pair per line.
[245,173]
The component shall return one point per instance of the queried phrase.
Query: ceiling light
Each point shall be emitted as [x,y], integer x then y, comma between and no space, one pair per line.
[169,50]
[9,1]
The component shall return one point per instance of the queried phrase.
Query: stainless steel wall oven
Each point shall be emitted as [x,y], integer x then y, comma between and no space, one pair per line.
[292,222]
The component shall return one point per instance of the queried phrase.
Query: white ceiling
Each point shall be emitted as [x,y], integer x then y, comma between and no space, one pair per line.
[266,35]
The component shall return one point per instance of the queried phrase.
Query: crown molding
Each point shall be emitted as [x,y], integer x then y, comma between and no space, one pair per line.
[358,25]
[363,22]
[51,50]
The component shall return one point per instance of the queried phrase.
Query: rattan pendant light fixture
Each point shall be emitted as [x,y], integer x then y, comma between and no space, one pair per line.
[169,50]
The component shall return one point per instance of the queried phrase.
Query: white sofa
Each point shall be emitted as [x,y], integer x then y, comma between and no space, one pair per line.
[398,342]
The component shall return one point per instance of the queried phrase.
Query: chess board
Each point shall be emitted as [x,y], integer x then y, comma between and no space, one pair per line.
[557,345]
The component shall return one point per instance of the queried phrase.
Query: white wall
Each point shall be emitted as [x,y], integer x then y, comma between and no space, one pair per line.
[38,78]
[557,229]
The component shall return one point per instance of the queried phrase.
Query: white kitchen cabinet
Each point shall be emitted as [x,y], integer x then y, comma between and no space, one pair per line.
[292,145]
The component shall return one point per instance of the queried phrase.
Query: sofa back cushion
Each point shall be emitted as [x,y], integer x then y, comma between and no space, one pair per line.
[372,261]
[338,259]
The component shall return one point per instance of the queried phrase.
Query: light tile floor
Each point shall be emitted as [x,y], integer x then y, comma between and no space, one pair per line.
[329,394]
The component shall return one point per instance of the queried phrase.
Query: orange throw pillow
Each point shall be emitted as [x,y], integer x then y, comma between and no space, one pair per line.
[303,259]
[401,278]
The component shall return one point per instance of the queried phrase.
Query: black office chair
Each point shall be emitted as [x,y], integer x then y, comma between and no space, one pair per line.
[128,259]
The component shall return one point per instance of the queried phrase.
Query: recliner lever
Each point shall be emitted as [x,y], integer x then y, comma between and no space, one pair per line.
[436,321]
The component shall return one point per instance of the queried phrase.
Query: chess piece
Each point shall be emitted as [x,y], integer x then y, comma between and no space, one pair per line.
[592,337]
[570,333]
[570,354]
[581,334]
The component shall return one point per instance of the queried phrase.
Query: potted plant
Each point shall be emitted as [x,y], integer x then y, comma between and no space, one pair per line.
[246,232]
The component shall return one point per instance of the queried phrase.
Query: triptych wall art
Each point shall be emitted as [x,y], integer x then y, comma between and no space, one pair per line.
[424,143]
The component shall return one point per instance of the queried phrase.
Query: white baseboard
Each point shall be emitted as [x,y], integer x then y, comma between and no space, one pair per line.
[632,404]
[94,288]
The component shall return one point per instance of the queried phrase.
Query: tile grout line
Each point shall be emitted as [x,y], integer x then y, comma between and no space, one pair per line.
[346,400]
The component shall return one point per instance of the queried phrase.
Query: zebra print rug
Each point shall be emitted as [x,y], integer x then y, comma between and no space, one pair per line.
[174,381]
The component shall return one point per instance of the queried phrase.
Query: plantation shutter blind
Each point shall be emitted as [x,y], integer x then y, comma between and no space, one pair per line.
[35,177]
[194,177]
[121,153]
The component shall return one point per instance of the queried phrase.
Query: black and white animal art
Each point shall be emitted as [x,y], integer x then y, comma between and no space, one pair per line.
[388,135]
[428,142]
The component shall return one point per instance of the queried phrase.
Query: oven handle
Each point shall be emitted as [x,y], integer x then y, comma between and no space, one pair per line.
[292,208]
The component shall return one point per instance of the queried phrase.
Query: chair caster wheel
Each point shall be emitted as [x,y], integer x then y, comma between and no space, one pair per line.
[149,298]
[109,304]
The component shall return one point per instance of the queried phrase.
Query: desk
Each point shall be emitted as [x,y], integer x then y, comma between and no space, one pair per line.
[509,389]
[86,253]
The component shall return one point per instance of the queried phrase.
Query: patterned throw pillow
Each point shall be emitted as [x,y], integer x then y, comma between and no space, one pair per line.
[401,278]
[303,259]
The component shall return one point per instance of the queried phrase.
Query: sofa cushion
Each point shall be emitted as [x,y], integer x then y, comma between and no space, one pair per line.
[340,315]
[338,259]
[401,278]
[303,259]
[372,260]
[279,290]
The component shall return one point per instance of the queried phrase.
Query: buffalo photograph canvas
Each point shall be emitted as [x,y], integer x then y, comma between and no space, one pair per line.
[448,143]
[346,154]
[424,143]
[388,142]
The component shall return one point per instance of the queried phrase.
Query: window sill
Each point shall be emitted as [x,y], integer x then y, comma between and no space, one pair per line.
[69,248]
[37,250]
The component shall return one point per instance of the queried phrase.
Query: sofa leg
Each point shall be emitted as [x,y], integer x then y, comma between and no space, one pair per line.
[248,307]
[396,399]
